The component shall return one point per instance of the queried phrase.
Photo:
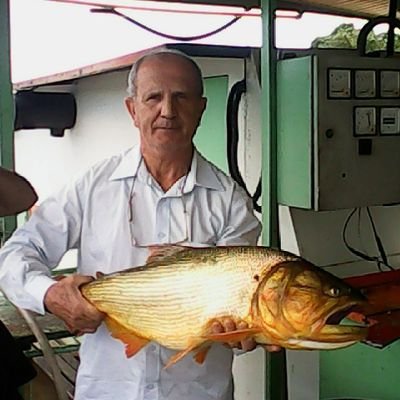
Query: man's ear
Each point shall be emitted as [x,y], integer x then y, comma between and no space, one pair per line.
[130,105]
[204,101]
[203,107]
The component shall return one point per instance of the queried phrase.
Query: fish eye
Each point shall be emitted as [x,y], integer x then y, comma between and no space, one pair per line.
[334,291]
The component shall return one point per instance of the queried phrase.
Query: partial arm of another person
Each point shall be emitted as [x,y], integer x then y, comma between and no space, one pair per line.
[28,257]
[16,193]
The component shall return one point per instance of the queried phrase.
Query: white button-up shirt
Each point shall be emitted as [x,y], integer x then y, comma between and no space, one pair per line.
[110,215]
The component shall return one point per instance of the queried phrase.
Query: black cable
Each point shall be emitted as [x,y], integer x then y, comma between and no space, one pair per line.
[367,28]
[352,249]
[360,254]
[233,140]
[233,131]
[393,4]
[257,195]
[110,10]
[377,239]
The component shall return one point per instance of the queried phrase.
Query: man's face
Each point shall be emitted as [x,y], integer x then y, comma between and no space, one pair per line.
[168,106]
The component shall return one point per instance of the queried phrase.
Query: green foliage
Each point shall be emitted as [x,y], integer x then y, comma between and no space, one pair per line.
[345,36]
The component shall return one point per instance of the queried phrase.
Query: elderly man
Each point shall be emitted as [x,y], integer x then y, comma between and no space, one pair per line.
[162,191]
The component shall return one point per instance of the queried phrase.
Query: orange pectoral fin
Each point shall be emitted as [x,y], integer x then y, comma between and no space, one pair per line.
[133,343]
[232,336]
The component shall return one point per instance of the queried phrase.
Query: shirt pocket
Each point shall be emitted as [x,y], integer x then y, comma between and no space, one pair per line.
[204,230]
[208,218]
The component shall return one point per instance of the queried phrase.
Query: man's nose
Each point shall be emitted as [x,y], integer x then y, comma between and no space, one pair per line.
[168,107]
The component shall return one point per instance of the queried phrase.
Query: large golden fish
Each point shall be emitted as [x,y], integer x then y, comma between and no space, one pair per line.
[181,291]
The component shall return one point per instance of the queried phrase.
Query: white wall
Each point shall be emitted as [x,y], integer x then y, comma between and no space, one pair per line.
[103,128]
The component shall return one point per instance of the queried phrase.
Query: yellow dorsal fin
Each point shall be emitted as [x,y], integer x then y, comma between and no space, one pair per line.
[159,253]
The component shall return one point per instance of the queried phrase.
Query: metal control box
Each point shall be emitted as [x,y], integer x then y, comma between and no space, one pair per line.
[338,131]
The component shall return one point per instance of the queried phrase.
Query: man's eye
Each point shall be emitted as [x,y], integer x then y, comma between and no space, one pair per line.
[152,97]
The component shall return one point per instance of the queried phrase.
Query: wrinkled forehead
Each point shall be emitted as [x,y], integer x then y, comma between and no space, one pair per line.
[169,69]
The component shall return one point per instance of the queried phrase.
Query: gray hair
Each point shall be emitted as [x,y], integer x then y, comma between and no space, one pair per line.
[160,52]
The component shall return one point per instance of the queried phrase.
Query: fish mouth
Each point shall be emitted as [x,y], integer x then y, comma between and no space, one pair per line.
[332,335]
[336,332]
[337,316]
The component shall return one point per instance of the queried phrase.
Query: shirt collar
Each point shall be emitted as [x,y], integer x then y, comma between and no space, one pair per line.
[129,164]
[202,173]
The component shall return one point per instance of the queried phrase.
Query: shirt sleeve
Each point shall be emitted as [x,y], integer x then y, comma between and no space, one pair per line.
[243,227]
[27,258]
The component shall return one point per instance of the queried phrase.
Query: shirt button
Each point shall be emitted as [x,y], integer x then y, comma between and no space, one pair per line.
[161,235]
[150,386]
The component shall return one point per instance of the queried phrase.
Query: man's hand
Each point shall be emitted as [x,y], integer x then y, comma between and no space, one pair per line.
[228,325]
[65,300]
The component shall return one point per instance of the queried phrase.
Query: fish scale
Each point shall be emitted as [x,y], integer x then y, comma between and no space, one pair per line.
[185,296]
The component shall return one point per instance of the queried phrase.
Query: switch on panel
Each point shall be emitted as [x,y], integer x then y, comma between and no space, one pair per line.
[339,83]
[390,121]
[364,121]
[390,83]
[365,83]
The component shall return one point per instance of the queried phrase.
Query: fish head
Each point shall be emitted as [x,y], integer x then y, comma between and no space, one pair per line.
[301,307]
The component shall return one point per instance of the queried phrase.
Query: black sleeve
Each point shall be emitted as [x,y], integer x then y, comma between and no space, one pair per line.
[15,368]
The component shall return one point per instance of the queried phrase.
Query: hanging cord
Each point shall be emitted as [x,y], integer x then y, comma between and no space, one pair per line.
[378,241]
[233,140]
[110,10]
[380,261]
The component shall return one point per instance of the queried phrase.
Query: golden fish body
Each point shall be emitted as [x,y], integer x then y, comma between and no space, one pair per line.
[172,304]
[176,296]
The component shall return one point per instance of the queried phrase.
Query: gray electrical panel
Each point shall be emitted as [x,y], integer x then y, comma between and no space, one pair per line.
[338,131]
